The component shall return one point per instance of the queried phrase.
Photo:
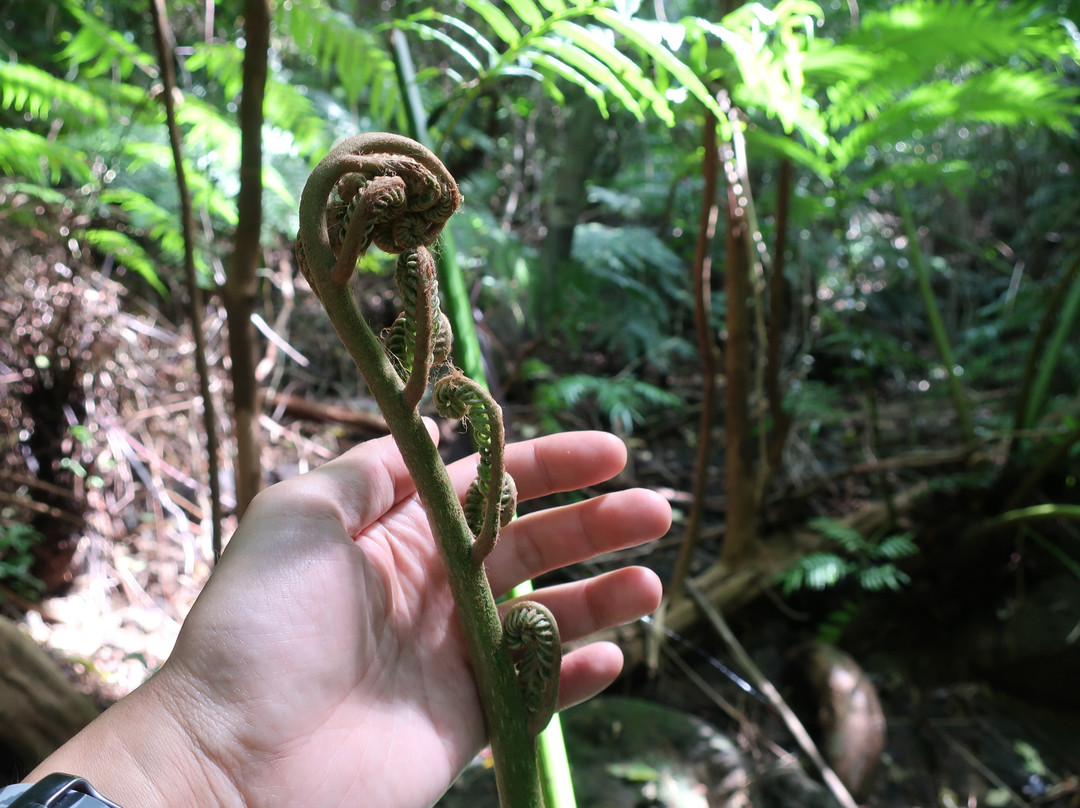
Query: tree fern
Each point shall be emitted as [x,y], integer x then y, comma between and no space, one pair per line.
[335,45]
[578,44]
[38,94]
[97,49]
[870,562]
[624,402]
[126,251]
[286,107]
[907,68]
[763,53]
[35,157]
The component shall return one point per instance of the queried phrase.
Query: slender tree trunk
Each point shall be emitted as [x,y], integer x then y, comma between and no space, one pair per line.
[707,351]
[195,296]
[779,299]
[240,285]
[739,472]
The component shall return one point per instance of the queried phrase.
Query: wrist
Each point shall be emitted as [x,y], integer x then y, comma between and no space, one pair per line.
[143,753]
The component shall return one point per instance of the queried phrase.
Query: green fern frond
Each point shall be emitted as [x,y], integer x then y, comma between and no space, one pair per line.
[357,59]
[286,106]
[896,547]
[96,48]
[813,571]
[146,215]
[847,537]
[35,157]
[50,196]
[546,41]
[914,43]
[1000,97]
[127,252]
[601,44]
[208,131]
[30,90]
[927,30]
[628,252]
[205,193]
[625,402]
[767,48]
[883,576]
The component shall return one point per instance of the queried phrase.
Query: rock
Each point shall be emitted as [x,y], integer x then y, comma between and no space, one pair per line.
[841,709]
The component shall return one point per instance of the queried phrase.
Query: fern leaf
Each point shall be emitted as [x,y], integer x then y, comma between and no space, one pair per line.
[883,576]
[587,65]
[470,32]
[30,155]
[847,537]
[499,22]
[562,69]
[127,252]
[633,31]
[896,547]
[337,46]
[623,401]
[601,44]
[527,11]
[823,570]
[50,196]
[434,34]
[97,48]
[40,95]
[145,214]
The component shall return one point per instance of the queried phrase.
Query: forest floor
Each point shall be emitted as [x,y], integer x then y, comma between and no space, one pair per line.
[967,722]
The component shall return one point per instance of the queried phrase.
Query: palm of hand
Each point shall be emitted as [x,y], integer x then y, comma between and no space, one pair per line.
[346,656]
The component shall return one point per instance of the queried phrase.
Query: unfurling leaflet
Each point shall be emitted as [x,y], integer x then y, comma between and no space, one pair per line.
[492,497]
[531,629]
[420,336]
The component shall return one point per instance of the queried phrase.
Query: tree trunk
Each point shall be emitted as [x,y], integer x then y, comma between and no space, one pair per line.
[240,285]
[578,150]
[739,471]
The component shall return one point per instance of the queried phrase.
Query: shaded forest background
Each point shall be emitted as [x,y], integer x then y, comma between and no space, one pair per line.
[816,264]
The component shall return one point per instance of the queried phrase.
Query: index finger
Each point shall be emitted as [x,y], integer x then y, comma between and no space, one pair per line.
[554,463]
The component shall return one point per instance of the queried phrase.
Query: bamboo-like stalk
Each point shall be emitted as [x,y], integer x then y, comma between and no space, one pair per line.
[933,313]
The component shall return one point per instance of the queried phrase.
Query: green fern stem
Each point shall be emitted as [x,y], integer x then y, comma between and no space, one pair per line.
[492,497]
[322,207]
[531,629]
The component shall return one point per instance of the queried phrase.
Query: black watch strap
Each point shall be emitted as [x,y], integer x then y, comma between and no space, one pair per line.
[61,791]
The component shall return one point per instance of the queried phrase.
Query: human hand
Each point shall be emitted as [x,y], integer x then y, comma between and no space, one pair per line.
[323,663]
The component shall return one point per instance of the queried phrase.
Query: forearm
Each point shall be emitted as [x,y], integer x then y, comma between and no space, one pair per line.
[141,753]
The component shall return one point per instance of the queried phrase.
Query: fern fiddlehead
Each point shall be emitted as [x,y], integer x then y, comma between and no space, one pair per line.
[389,191]
[492,496]
[530,628]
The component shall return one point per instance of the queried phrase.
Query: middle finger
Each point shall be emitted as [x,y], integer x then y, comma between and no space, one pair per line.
[553,538]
